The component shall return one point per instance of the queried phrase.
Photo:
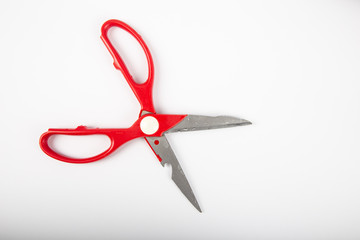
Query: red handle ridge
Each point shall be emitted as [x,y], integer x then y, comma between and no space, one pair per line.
[143,92]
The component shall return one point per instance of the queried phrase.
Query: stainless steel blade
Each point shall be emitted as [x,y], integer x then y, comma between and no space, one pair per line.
[162,148]
[198,122]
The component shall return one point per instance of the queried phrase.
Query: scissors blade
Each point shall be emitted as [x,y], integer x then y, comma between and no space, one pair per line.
[198,122]
[163,150]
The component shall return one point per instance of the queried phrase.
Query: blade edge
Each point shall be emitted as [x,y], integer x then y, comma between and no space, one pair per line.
[166,155]
[199,122]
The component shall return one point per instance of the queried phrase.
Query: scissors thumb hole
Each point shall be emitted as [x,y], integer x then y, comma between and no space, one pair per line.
[133,55]
[79,147]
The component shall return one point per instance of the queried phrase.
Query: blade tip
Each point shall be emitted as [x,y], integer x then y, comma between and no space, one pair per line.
[244,122]
[198,208]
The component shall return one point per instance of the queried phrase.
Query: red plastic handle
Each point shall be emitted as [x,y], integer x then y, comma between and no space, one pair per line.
[143,92]
[118,136]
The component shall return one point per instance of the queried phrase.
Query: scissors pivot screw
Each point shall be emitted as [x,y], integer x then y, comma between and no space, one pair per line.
[149,125]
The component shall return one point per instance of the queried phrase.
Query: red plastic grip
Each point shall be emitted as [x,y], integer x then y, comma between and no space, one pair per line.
[118,136]
[143,92]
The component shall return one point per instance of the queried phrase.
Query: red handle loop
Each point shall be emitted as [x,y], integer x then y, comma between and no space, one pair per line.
[117,138]
[143,92]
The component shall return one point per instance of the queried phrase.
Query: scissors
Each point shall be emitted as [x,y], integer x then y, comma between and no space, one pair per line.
[151,126]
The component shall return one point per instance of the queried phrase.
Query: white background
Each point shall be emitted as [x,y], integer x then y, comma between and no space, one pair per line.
[290,67]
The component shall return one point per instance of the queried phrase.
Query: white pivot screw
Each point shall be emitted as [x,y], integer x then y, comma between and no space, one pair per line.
[149,125]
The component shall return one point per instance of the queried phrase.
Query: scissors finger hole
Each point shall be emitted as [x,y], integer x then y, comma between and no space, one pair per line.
[131,52]
[79,147]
